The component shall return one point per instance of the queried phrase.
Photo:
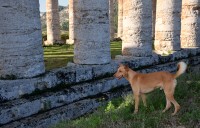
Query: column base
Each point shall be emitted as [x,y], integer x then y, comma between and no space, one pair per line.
[49,43]
[68,41]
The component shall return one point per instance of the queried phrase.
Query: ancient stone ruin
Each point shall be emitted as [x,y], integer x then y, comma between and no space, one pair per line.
[33,98]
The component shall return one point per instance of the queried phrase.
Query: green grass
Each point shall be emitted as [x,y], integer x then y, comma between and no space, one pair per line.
[118,113]
[58,56]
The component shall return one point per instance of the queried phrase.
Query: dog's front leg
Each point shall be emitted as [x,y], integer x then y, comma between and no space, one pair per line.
[144,99]
[137,98]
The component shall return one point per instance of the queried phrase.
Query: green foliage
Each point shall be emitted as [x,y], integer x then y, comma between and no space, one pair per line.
[44,27]
[118,113]
[110,107]
[65,36]
[65,26]
[44,36]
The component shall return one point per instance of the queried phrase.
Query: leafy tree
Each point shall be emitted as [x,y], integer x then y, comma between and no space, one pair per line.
[65,26]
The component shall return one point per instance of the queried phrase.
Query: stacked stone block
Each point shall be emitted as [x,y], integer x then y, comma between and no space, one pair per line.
[168,25]
[91,31]
[153,18]
[190,23]
[53,22]
[120,19]
[71,23]
[21,52]
[112,19]
[137,28]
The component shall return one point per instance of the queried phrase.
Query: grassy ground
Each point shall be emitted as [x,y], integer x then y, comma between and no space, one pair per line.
[58,56]
[118,113]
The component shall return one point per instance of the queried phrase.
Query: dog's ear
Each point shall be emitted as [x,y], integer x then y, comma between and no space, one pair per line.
[126,67]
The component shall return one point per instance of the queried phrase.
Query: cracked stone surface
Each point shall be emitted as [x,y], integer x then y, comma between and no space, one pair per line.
[71,23]
[53,22]
[153,17]
[112,18]
[190,23]
[137,28]
[120,19]
[91,31]
[66,112]
[21,52]
[168,25]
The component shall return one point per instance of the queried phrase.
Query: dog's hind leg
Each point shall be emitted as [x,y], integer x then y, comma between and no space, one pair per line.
[169,93]
[144,99]
[168,105]
[170,97]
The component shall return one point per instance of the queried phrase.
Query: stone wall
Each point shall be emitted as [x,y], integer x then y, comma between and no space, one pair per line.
[69,92]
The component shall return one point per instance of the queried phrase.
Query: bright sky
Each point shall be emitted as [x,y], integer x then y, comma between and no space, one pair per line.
[43,4]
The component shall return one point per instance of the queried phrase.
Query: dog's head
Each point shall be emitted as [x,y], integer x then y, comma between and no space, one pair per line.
[122,71]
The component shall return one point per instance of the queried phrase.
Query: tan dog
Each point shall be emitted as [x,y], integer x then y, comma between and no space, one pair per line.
[145,83]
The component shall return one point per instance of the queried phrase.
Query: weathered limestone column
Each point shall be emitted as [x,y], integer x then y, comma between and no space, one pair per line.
[190,23]
[53,22]
[21,52]
[168,25]
[120,19]
[71,23]
[153,18]
[137,28]
[91,31]
[112,19]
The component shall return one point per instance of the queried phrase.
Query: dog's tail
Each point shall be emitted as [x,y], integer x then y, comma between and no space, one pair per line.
[182,66]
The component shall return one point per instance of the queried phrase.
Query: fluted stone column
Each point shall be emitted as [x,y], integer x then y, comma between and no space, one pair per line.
[21,52]
[53,22]
[153,18]
[112,19]
[71,23]
[120,19]
[168,25]
[137,28]
[190,23]
[91,31]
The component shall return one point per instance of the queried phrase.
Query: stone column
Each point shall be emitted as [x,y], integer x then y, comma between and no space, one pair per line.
[168,25]
[71,23]
[21,52]
[190,23]
[112,19]
[53,22]
[91,31]
[153,18]
[137,28]
[120,19]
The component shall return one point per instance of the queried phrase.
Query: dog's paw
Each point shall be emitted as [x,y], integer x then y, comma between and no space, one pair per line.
[173,114]
[163,111]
